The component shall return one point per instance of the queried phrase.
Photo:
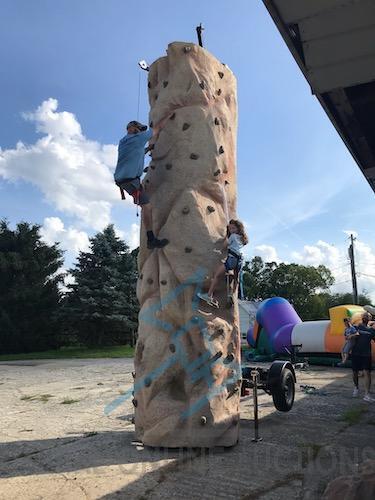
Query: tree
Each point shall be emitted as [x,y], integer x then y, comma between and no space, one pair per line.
[29,289]
[296,283]
[101,306]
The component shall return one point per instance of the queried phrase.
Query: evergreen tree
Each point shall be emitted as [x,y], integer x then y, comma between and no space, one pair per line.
[29,289]
[101,306]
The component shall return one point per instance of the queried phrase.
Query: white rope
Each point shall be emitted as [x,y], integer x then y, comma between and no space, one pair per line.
[139,94]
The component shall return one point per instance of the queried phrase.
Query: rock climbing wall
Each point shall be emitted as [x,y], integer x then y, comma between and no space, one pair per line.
[187,371]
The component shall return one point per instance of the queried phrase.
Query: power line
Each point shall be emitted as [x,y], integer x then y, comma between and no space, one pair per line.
[368,275]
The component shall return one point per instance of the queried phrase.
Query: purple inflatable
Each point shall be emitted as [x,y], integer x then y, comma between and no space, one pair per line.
[277,317]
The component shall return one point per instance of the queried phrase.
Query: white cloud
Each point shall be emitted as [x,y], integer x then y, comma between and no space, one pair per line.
[132,237]
[336,259]
[74,174]
[267,252]
[70,239]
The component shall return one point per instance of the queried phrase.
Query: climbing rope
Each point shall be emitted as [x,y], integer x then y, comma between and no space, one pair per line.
[139,93]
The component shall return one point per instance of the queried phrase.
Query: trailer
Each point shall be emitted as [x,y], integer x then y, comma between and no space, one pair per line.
[277,381]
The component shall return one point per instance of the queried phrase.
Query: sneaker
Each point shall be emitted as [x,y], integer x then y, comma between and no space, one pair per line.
[155,243]
[368,398]
[209,300]
[355,392]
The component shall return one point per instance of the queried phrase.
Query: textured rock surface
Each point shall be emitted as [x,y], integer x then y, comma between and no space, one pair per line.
[356,487]
[187,356]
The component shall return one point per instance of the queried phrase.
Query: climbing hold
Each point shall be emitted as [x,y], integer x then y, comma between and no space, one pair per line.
[151,124]
[148,381]
[173,116]
[221,74]
[225,169]
[133,374]
[221,150]
[135,403]
[145,170]
[201,85]
[172,347]
[150,281]
[165,83]
[217,356]
[188,249]
[185,126]
[149,85]
[210,209]
[147,181]
[168,166]
[187,49]
[185,210]
[152,167]
[218,91]
[163,282]
[217,122]
[226,183]
[141,276]
[194,156]
[220,331]
[217,172]
[229,358]
[203,420]
[132,420]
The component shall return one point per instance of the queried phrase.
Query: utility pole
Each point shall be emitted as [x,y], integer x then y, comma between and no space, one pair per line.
[352,267]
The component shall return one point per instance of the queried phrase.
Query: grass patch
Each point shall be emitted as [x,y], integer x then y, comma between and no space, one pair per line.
[37,397]
[69,401]
[118,351]
[310,451]
[353,415]
[27,398]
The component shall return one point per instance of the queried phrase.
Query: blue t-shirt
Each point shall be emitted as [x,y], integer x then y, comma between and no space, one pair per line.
[131,154]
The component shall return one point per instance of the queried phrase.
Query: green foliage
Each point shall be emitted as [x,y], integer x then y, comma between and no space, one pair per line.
[120,351]
[296,283]
[101,307]
[29,289]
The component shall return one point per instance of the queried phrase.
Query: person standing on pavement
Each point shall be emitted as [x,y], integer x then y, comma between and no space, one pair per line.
[361,355]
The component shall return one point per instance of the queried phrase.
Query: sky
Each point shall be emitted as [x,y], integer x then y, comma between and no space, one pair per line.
[69,83]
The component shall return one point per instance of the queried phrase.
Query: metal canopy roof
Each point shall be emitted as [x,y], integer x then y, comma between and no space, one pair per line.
[333,42]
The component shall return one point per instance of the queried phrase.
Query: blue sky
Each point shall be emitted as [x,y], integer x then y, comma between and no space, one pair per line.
[298,187]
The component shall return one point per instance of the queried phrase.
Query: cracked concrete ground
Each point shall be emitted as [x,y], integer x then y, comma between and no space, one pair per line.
[57,442]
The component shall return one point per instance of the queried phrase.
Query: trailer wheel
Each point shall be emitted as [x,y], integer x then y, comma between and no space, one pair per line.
[283,392]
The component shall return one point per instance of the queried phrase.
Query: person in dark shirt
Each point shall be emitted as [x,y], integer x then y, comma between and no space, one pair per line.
[361,355]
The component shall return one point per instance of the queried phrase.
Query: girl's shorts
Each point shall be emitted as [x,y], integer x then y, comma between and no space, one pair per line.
[231,263]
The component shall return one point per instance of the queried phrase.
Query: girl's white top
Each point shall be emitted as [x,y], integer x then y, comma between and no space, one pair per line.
[235,243]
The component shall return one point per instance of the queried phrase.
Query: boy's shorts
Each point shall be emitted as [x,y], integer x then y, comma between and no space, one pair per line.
[135,189]
[361,363]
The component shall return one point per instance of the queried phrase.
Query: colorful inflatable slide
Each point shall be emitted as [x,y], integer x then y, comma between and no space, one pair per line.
[278,327]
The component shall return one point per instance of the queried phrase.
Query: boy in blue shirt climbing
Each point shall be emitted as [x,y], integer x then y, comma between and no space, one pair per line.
[129,169]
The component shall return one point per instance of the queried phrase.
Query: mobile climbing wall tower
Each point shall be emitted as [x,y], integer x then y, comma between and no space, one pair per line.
[187,362]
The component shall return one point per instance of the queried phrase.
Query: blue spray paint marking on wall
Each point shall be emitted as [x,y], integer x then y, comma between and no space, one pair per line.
[199,368]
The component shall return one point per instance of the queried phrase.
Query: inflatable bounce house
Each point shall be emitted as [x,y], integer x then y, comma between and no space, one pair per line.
[278,328]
